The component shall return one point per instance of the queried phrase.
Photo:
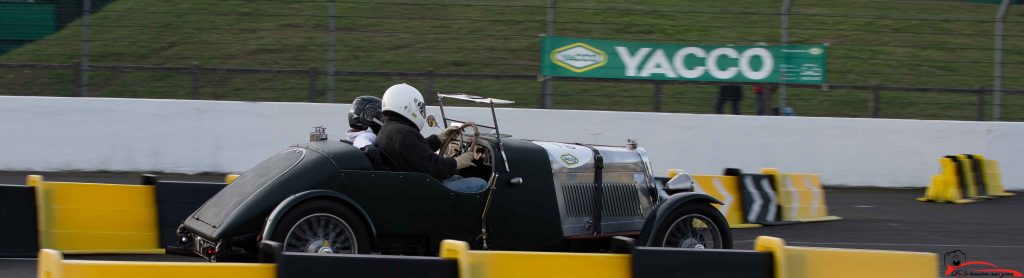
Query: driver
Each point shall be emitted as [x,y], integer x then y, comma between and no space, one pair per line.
[404,115]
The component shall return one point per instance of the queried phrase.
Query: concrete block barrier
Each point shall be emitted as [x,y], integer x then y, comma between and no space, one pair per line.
[96,218]
[53,265]
[801,197]
[965,178]
[801,262]
[499,264]
[727,190]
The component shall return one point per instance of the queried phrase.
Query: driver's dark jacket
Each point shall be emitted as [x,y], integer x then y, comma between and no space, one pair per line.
[408,151]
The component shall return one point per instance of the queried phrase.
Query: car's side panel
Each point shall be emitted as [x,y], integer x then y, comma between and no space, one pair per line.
[524,217]
[409,204]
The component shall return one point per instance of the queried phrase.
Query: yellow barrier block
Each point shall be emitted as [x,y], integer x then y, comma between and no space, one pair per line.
[230,178]
[502,264]
[945,186]
[96,218]
[994,179]
[801,196]
[52,265]
[727,190]
[800,262]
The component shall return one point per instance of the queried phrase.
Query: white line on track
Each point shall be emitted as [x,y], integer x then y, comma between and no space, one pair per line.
[896,244]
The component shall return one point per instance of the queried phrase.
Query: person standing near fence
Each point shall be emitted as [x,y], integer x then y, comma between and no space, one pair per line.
[763,94]
[729,93]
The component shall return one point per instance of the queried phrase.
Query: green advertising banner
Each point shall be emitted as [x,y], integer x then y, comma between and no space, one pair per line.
[578,57]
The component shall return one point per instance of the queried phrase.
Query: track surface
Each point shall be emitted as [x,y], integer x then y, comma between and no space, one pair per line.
[873,218]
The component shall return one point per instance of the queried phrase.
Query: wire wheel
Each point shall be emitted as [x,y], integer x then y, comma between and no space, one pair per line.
[693,231]
[321,233]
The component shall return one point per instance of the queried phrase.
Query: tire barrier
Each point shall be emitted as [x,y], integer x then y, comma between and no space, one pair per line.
[79,218]
[89,218]
[671,262]
[727,190]
[356,266]
[53,265]
[18,215]
[965,178]
[175,201]
[801,197]
[800,262]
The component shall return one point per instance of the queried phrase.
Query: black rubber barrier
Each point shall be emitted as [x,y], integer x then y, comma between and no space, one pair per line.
[176,200]
[358,266]
[19,234]
[675,262]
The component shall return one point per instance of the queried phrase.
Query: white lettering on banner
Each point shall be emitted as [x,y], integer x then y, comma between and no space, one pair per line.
[658,63]
[712,63]
[631,61]
[767,62]
[679,60]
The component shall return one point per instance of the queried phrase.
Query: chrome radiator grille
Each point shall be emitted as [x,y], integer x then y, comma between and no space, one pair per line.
[619,200]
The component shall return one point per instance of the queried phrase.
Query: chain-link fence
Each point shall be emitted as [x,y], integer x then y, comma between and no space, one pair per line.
[891,59]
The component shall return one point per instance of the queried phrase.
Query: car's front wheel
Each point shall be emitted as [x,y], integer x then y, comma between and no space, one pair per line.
[322,226]
[694,225]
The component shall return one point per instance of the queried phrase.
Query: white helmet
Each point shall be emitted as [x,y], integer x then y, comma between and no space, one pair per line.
[406,101]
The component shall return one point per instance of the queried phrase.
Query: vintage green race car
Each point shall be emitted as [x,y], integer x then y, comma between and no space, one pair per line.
[326,197]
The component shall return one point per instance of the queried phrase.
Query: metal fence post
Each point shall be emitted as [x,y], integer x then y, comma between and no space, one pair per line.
[546,95]
[981,104]
[84,72]
[330,49]
[313,74]
[874,105]
[997,75]
[194,86]
[784,40]
[431,93]
[657,96]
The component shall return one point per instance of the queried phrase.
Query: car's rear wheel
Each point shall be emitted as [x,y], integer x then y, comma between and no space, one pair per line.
[696,226]
[322,226]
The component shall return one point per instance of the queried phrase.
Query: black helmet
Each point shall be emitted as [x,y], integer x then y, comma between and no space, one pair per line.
[365,113]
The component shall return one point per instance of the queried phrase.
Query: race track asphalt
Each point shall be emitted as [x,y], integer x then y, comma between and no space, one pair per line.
[873,218]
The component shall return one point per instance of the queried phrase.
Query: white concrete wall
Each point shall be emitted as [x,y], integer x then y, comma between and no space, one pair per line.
[88,134]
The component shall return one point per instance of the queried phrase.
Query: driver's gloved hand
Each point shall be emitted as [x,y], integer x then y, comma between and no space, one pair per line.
[448,132]
[464,160]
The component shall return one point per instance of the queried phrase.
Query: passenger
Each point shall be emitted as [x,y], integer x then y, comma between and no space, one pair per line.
[364,119]
[404,115]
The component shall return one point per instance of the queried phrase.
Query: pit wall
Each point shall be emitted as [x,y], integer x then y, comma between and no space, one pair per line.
[188,136]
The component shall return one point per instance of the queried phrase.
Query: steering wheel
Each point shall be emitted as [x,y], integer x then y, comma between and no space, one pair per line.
[459,135]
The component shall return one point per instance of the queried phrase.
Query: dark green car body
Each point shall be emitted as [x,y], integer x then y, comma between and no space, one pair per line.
[405,212]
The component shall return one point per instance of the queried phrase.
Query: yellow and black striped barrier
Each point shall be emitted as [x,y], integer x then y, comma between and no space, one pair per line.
[965,178]
[771,258]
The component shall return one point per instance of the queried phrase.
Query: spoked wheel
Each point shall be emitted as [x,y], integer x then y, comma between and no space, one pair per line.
[322,226]
[694,226]
[321,233]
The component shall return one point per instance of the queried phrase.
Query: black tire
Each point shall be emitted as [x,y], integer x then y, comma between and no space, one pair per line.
[312,214]
[693,212]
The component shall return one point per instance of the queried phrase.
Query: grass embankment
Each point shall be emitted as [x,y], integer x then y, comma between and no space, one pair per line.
[503,37]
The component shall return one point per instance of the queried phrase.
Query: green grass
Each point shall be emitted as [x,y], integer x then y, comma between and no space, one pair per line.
[374,36]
